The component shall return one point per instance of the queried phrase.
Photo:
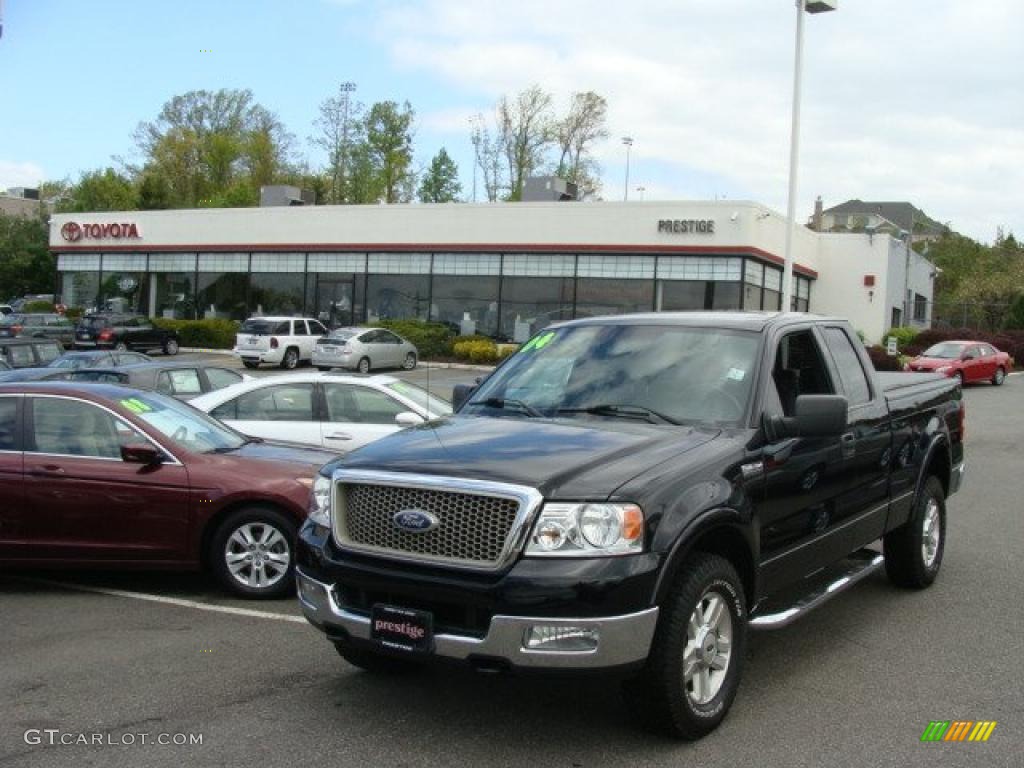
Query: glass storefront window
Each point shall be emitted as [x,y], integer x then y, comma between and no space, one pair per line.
[336,299]
[397,297]
[126,292]
[680,295]
[80,290]
[468,304]
[174,296]
[726,296]
[602,296]
[277,293]
[529,304]
[222,295]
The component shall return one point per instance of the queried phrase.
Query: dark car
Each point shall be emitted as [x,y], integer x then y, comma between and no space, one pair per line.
[123,332]
[38,325]
[99,358]
[95,473]
[29,353]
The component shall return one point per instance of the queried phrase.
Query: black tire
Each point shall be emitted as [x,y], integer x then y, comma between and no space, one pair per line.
[323,367]
[171,347]
[363,366]
[409,363]
[377,663]
[258,523]
[999,376]
[660,696]
[913,555]
[250,364]
[120,347]
[290,361]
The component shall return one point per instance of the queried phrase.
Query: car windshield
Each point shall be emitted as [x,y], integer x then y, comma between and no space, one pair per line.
[94,323]
[182,424]
[656,373]
[72,361]
[433,404]
[945,350]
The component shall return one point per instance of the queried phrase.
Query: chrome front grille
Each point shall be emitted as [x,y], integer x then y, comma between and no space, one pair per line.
[479,525]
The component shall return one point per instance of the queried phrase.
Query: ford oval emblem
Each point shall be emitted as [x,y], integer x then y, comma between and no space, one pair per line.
[415,520]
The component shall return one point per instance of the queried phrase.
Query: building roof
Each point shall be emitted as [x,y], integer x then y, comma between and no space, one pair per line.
[903,214]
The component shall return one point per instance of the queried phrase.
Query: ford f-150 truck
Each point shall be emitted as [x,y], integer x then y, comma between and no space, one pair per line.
[636,493]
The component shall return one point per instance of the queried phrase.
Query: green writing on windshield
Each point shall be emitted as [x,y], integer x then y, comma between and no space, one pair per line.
[135,405]
[538,342]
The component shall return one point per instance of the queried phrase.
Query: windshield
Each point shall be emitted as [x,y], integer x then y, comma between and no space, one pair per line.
[183,424]
[659,373]
[945,350]
[94,322]
[72,361]
[431,403]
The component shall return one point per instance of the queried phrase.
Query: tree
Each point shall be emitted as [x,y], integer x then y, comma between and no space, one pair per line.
[154,191]
[26,264]
[525,133]
[488,154]
[441,181]
[389,141]
[206,144]
[338,129]
[575,133]
[105,190]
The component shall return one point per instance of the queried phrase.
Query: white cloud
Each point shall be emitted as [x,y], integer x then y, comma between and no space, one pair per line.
[901,100]
[19,174]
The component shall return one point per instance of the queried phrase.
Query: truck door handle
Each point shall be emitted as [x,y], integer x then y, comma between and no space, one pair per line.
[47,470]
[338,436]
[849,444]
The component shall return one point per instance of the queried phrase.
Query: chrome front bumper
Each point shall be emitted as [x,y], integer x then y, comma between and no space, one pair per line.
[622,639]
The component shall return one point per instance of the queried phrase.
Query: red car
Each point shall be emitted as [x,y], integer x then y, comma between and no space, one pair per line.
[966,360]
[107,476]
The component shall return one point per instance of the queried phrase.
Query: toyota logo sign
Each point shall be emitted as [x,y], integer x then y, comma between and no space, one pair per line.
[71,232]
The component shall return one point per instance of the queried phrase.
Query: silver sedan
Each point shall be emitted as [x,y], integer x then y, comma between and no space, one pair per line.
[364,349]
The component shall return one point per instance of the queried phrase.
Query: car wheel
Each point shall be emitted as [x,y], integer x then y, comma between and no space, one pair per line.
[170,347]
[377,663]
[250,364]
[410,362]
[253,553]
[121,347]
[364,365]
[913,552]
[999,376]
[693,670]
[323,367]
[290,361]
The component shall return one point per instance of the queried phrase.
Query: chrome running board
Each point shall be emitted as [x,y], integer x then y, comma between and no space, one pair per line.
[859,565]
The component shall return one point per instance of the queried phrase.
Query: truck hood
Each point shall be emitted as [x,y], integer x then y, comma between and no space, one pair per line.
[569,459]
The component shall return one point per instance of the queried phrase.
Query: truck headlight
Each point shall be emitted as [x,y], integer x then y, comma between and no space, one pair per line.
[587,529]
[320,501]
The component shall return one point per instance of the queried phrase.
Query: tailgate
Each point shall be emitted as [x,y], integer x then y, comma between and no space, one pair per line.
[252,342]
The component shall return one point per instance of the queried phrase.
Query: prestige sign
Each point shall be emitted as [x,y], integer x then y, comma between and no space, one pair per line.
[685,226]
[72,231]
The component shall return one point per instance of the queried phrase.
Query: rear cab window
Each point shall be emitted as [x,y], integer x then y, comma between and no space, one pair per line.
[848,365]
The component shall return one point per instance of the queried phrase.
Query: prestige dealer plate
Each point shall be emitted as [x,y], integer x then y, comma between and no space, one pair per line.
[403,629]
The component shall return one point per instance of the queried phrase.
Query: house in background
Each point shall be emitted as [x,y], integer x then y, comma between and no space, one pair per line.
[875,217]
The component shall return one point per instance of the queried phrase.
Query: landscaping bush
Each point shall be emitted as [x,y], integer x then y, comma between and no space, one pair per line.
[37,306]
[210,334]
[431,339]
[476,350]
[882,360]
[904,336]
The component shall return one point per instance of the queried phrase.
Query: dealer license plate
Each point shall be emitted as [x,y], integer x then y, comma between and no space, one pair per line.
[403,629]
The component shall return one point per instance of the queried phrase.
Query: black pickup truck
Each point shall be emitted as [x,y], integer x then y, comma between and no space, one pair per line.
[635,493]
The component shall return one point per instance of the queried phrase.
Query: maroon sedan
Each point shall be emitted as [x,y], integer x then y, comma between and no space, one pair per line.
[108,476]
[966,360]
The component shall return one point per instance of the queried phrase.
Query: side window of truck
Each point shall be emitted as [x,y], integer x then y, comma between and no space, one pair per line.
[851,372]
[799,369]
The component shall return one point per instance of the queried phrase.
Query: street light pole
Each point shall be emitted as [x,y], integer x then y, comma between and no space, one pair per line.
[628,141]
[816,6]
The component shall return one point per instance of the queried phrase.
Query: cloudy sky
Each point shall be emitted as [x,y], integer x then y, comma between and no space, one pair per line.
[906,100]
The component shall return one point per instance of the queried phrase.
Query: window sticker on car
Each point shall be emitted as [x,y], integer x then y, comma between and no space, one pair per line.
[538,342]
[736,374]
[136,406]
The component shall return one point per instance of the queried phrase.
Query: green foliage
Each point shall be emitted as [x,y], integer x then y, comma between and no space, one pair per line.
[154,191]
[431,339]
[476,350]
[74,314]
[389,141]
[882,360]
[904,336]
[440,183]
[210,334]
[986,277]
[26,265]
[100,190]
[1015,317]
[37,306]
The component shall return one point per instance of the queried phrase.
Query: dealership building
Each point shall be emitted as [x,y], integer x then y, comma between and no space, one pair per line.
[503,270]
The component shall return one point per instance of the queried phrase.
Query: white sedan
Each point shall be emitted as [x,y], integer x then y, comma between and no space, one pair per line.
[335,411]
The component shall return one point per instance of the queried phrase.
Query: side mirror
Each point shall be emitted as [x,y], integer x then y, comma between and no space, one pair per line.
[461,393]
[408,419]
[141,453]
[815,416]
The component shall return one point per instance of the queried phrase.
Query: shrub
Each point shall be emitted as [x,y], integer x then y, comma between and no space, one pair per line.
[476,350]
[37,306]
[211,334]
[882,360]
[904,336]
[431,339]
[74,314]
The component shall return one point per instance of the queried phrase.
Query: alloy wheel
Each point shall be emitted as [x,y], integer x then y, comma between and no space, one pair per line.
[931,534]
[257,555]
[708,649]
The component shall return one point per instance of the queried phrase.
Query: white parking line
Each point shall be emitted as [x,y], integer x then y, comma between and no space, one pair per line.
[1016,373]
[180,602]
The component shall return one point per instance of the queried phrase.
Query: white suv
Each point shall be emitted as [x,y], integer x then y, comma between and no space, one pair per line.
[284,341]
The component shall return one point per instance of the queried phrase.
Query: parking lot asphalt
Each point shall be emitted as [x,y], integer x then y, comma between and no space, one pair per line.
[855,683]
